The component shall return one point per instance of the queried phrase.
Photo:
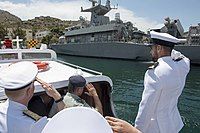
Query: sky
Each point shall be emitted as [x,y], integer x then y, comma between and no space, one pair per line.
[144,14]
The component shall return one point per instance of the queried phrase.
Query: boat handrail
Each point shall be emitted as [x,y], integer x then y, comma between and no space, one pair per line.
[79,67]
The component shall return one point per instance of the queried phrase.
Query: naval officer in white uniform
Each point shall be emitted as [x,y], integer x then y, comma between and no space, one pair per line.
[163,84]
[18,82]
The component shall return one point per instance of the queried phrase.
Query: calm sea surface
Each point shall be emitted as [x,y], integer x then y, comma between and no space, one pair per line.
[127,77]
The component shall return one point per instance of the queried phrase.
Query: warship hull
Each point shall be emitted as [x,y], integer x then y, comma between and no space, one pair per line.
[114,50]
[117,50]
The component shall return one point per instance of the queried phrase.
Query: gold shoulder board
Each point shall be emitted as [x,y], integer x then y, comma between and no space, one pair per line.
[180,58]
[32,115]
[154,65]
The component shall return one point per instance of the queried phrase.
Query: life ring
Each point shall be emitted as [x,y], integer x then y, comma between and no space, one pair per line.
[42,66]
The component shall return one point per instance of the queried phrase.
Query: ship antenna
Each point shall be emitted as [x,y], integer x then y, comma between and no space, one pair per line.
[115,7]
[99,2]
[93,2]
[108,4]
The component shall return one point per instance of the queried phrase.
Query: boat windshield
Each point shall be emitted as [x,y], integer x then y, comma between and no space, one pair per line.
[36,55]
[9,56]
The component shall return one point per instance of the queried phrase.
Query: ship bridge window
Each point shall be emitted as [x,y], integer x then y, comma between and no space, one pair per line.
[92,38]
[72,40]
[36,55]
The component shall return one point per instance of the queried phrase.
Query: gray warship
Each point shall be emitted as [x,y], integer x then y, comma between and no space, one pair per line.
[105,38]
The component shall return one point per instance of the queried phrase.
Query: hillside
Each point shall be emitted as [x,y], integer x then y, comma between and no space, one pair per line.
[9,19]
[47,23]
[11,25]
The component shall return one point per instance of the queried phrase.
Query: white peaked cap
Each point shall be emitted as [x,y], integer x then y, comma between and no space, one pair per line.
[163,38]
[18,75]
[78,120]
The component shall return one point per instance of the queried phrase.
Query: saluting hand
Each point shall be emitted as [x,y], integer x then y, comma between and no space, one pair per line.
[50,90]
[91,90]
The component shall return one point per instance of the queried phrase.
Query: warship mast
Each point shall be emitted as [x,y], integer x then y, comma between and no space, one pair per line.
[97,13]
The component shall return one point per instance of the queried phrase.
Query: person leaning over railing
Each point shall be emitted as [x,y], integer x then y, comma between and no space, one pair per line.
[72,98]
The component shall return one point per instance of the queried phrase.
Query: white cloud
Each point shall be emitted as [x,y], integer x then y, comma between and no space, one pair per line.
[126,15]
[62,10]
[69,10]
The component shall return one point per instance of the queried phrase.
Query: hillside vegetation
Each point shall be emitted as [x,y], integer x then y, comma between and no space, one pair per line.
[43,23]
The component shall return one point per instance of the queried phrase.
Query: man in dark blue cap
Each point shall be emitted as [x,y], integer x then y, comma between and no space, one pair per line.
[163,84]
[75,90]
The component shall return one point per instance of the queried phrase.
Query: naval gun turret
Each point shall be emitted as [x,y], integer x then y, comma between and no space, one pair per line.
[173,27]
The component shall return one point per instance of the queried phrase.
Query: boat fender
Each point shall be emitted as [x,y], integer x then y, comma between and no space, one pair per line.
[154,65]
[42,66]
[37,62]
[32,115]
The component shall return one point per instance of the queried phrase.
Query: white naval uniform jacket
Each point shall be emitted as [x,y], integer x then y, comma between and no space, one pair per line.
[158,111]
[12,119]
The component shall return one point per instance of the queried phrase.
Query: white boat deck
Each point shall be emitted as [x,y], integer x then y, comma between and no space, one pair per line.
[58,72]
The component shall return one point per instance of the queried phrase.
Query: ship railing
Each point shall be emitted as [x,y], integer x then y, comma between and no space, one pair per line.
[79,67]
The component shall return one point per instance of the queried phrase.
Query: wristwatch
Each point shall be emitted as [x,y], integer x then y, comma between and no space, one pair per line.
[59,100]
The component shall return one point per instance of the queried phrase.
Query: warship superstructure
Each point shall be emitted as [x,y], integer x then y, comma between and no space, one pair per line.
[104,38]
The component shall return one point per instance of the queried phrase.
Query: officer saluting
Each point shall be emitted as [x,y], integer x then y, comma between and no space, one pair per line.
[163,84]
[18,82]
